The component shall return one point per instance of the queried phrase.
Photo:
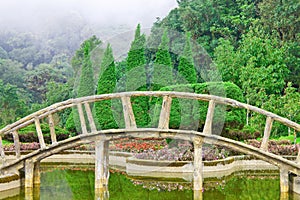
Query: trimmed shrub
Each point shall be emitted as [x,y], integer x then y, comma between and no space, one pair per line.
[189,112]
[29,134]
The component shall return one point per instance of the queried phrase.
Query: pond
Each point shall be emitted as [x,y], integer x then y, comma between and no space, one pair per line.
[69,184]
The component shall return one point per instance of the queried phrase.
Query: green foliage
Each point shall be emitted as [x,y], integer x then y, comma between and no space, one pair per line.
[106,85]
[136,54]
[12,103]
[190,114]
[257,66]
[163,56]
[186,68]
[86,86]
[28,134]
[136,77]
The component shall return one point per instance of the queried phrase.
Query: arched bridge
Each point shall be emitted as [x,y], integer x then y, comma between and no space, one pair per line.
[31,161]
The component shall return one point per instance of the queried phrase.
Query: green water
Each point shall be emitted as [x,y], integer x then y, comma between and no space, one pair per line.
[70,184]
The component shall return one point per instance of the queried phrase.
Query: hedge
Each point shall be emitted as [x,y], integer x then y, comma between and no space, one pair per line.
[191,114]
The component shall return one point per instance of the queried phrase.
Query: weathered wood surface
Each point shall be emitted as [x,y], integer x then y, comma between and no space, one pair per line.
[39,133]
[267,132]
[164,118]
[90,117]
[17,144]
[52,129]
[2,153]
[82,119]
[128,113]
[209,118]
[202,97]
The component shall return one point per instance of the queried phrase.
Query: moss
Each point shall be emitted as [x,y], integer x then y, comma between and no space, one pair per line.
[9,178]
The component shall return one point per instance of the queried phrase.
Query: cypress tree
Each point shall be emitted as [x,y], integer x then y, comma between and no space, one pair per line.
[136,54]
[136,77]
[162,73]
[85,88]
[163,56]
[186,68]
[106,84]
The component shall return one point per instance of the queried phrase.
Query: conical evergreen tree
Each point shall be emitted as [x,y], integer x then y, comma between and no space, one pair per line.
[163,56]
[162,74]
[85,88]
[186,68]
[136,77]
[136,54]
[106,84]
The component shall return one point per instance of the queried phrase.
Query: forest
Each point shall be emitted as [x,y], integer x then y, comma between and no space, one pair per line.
[251,46]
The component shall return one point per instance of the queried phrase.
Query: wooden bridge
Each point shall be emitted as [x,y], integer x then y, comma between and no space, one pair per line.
[30,162]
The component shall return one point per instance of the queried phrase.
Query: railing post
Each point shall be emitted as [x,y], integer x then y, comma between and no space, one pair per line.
[101,168]
[209,118]
[39,133]
[164,117]
[128,113]
[52,129]
[82,120]
[267,132]
[17,144]
[2,153]
[90,117]
[198,168]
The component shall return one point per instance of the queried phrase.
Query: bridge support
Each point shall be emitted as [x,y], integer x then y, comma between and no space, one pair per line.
[284,181]
[32,173]
[198,168]
[101,169]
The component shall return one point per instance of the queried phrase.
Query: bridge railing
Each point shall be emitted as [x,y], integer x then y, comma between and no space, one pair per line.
[129,117]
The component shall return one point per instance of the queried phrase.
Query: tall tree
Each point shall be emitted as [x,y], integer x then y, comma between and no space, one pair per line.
[186,68]
[136,54]
[106,84]
[136,76]
[86,87]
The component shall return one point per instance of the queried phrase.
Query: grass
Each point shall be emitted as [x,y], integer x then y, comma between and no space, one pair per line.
[4,142]
[290,138]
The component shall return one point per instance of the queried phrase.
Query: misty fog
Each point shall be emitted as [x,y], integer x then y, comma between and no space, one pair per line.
[39,16]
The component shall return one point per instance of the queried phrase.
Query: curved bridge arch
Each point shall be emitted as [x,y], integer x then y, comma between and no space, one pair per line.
[107,135]
[131,129]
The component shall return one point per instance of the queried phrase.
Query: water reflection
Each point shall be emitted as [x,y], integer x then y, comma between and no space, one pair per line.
[73,185]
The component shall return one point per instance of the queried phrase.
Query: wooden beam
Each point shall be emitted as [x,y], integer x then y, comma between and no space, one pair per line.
[82,120]
[164,117]
[52,129]
[128,113]
[101,166]
[198,166]
[17,144]
[39,133]
[29,172]
[90,117]
[267,132]
[209,118]
[2,153]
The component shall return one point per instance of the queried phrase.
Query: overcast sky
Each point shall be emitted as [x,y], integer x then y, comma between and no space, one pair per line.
[107,12]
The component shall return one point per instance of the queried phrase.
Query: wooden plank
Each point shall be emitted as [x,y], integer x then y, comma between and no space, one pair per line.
[52,129]
[90,117]
[128,113]
[267,132]
[2,153]
[209,118]
[82,120]
[198,165]
[39,133]
[164,117]
[17,143]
